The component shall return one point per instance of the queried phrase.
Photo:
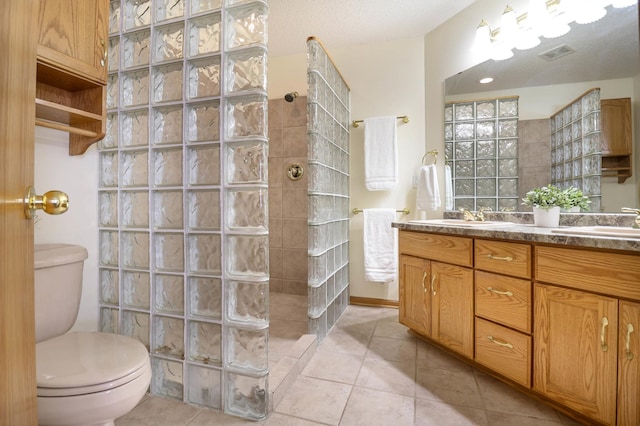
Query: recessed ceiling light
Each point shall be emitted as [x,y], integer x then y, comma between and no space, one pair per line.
[486,80]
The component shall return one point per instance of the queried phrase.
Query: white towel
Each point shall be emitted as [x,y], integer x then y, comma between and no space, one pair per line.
[448,188]
[380,153]
[380,245]
[428,194]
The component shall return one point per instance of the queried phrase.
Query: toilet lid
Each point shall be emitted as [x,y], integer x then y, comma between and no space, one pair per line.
[81,359]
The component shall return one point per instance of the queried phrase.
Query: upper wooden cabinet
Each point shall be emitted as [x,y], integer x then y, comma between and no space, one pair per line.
[73,37]
[617,139]
[72,69]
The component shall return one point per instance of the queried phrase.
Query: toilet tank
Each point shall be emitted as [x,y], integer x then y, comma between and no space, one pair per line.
[58,287]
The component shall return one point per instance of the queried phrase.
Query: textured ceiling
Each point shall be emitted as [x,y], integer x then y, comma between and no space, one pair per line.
[604,50]
[341,23]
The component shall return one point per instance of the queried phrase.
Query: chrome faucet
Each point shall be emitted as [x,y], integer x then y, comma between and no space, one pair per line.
[636,222]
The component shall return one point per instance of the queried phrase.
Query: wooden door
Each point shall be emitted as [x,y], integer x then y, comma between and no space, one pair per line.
[629,364]
[575,350]
[452,307]
[17,123]
[415,296]
[73,37]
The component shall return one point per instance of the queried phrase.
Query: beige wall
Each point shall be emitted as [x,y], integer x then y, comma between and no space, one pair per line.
[78,177]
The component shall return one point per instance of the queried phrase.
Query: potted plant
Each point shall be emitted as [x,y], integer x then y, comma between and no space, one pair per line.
[546,202]
[577,200]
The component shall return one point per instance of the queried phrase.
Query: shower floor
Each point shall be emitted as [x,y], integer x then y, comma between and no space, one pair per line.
[287,323]
[290,347]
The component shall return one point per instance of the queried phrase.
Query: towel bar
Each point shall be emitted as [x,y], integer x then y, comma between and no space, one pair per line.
[403,211]
[404,118]
[433,153]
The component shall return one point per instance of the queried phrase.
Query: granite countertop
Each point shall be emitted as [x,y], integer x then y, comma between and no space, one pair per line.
[524,230]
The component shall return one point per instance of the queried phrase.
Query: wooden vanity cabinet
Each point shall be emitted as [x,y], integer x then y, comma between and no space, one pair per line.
[584,302]
[575,350]
[563,322]
[503,308]
[436,288]
[72,69]
[414,294]
[629,364]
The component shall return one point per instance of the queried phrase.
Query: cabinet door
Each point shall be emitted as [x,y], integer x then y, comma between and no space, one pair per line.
[73,37]
[415,297]
[452,305]
[629,364]
[575,350]
[616,126]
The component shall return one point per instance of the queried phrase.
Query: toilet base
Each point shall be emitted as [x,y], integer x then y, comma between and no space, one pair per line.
[96,409]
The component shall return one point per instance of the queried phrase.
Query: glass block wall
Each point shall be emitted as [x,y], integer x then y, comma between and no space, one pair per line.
[328,160]
[481,147]
[183,196]
[576,159]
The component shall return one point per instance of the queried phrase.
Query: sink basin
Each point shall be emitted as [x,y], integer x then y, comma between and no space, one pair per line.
[606,231]
[461,222]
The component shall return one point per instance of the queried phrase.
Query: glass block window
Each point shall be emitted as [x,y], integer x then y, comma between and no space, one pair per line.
[328,160]
[481,148]
[183,197]
[576,159]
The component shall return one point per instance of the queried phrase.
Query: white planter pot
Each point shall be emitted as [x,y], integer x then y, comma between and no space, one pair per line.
[546,218]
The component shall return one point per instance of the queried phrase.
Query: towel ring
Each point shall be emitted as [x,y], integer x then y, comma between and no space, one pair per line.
[434,154]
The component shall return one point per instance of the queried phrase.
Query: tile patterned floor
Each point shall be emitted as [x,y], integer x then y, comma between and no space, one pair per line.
[369,371]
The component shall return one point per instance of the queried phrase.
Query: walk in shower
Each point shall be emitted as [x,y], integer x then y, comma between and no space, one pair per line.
[183,196]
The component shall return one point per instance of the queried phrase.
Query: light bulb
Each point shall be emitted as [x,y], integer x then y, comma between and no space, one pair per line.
[587,11]
[482,40]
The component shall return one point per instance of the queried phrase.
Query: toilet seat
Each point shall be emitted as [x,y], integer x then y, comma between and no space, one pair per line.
[80,363]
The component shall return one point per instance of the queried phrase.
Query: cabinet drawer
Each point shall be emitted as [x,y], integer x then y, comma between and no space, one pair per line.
[503,299]
[504,258]
[505,351]
[614,274]
[455,250]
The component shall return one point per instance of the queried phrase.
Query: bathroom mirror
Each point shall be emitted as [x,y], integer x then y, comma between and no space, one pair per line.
[604,53]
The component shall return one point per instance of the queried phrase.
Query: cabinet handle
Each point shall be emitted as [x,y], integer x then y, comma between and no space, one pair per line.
[627,344]
[105,52]
[504,258]
[499,343]
[424,279]
[433,280]
[603,341]
[505,293]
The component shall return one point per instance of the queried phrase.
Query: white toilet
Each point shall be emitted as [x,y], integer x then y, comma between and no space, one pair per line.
[84,378]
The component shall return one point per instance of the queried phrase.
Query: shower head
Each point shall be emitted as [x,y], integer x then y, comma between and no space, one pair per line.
[289,97]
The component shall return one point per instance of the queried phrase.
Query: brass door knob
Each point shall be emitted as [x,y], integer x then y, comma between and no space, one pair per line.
[52,202]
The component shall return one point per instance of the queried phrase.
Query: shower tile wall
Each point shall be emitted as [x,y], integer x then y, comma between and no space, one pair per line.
[328,159]
[288,199]
[481,147]
[534,155]
[183,196]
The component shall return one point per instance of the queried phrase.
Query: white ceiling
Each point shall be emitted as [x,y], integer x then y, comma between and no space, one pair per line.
[341,23]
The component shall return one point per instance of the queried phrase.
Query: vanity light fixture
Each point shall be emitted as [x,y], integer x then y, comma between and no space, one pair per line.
[546,18]
[586,11]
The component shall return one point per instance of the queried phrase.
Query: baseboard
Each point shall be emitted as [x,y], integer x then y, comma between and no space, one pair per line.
[369,301]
